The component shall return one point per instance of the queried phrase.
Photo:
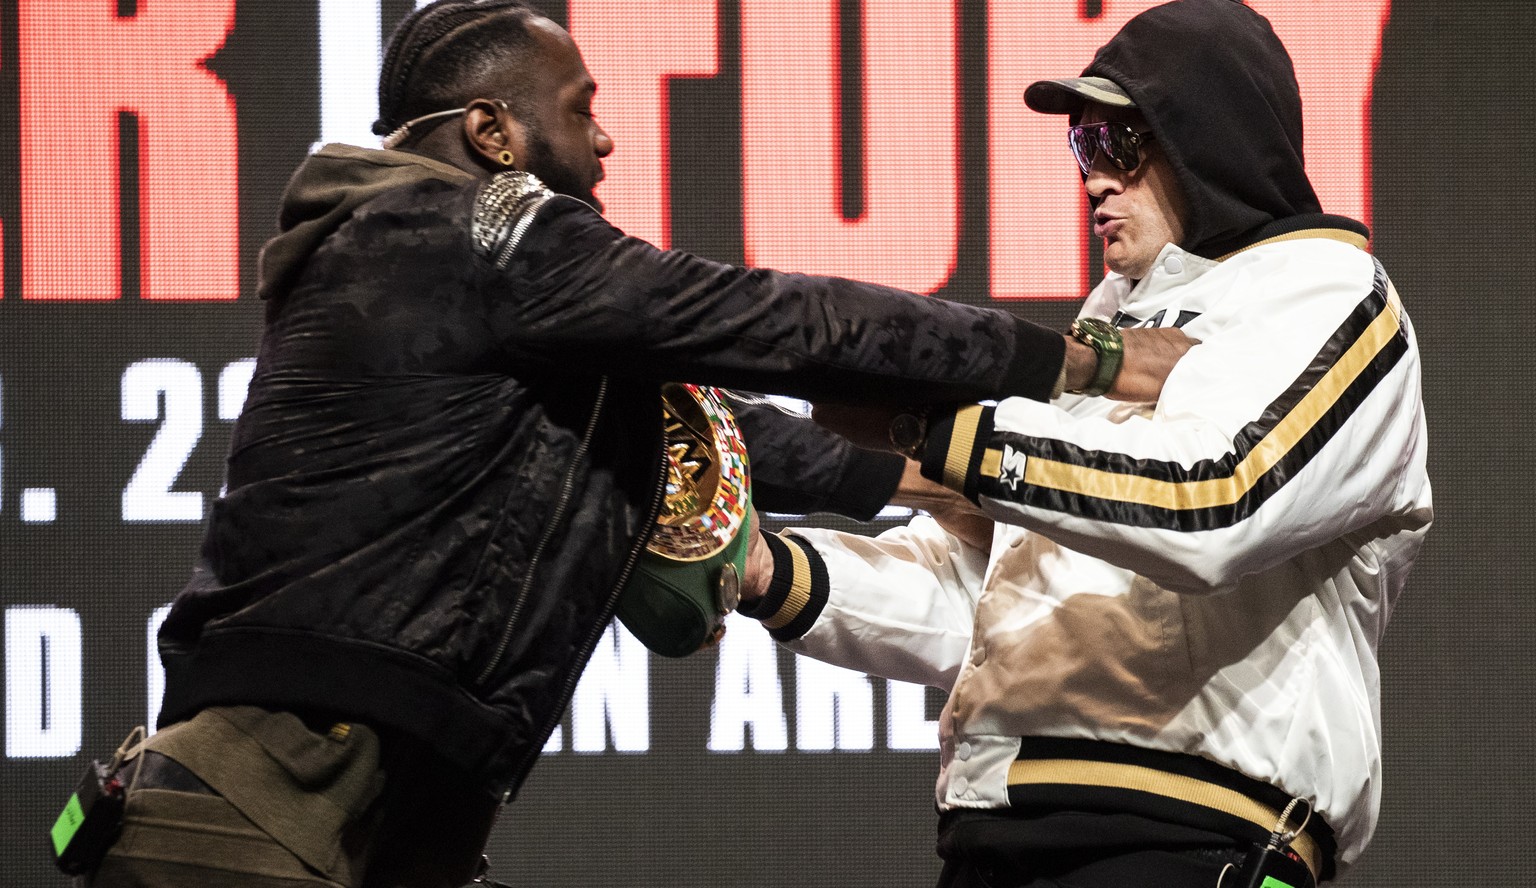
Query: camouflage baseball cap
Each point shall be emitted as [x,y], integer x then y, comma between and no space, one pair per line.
[1069,94]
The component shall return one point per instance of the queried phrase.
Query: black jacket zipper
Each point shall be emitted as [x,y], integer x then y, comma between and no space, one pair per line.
[598,627]
[578,458]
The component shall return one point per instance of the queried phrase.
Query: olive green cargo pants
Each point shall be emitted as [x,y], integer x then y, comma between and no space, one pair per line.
[242,797]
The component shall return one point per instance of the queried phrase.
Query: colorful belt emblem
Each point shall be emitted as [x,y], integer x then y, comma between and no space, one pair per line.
[706,497]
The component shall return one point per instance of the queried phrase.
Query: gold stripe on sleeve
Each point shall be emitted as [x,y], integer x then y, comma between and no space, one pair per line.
[962,440]
[991,463]
[1394,302]
[1186,495]
[799,590]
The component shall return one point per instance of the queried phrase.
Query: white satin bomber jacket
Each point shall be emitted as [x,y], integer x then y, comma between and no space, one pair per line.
[1208,576]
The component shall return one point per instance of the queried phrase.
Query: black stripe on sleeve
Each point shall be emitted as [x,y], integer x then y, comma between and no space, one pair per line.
[798,591]
[1119,476]
[957,440]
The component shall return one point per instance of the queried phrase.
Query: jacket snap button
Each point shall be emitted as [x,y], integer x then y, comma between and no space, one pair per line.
[963,751]
[1173,265]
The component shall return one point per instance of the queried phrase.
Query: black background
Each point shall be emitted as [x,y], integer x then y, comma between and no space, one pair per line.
[1454,143]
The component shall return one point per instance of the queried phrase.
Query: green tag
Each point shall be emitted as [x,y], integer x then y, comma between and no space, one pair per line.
[1272,882]
[67,825]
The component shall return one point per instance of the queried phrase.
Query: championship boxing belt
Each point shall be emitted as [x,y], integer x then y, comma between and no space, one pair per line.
[689,576]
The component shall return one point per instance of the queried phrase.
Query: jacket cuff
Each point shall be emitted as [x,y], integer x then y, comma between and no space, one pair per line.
[798,592]
[869,480]
[1039,355]
[957,441]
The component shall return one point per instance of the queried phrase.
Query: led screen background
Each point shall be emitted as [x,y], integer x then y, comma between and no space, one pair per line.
[877,139]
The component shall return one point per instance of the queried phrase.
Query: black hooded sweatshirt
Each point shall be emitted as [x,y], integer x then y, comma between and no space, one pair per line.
[1220,94]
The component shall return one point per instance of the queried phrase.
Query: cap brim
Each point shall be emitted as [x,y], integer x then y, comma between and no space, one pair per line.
[1069,94]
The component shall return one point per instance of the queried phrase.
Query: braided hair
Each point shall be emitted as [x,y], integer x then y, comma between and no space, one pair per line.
[442,56]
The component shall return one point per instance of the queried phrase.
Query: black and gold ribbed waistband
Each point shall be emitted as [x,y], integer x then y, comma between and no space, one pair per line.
[1052,773]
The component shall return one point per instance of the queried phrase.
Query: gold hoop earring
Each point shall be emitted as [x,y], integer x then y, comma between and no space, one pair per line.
[505,158]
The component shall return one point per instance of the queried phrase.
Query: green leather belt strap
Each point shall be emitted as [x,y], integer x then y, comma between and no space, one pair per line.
[689,577]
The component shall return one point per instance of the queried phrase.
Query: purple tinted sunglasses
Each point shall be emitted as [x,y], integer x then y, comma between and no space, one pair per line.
[1120,143]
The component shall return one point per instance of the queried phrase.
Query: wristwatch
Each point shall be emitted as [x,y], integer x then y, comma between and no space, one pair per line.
[1104,338]
[908,433]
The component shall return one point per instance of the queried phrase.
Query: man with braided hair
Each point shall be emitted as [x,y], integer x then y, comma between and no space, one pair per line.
[436,56]
[451,457]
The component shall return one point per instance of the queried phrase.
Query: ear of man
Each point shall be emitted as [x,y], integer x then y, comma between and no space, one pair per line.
[491,131]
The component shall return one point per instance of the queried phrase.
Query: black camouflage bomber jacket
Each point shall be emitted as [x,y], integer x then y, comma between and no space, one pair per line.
[445,468]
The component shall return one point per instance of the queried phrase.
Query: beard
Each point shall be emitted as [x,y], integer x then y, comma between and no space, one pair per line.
[557,176]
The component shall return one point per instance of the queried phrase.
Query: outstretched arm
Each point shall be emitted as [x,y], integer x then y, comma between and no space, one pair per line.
[561,281]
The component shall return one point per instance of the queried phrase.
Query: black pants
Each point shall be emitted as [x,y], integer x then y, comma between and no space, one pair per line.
[1070,849]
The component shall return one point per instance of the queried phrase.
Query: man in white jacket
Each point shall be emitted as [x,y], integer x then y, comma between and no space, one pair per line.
[1167,661]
